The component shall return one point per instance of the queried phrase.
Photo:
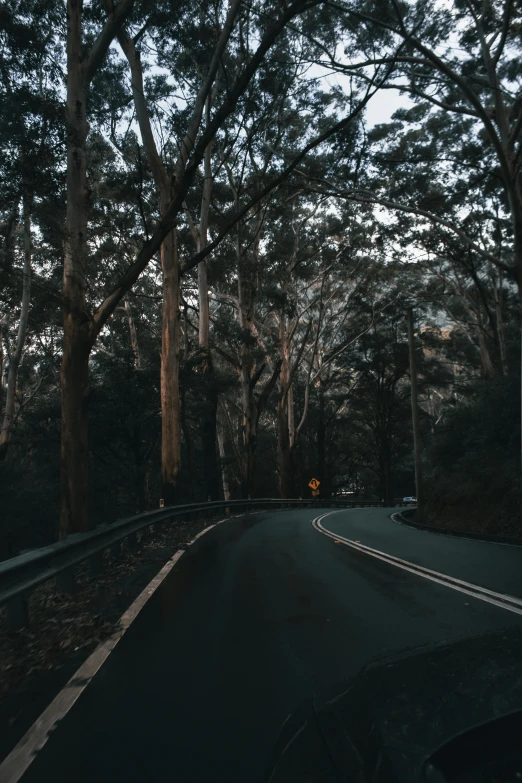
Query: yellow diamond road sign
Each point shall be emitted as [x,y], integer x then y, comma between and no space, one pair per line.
[314,483]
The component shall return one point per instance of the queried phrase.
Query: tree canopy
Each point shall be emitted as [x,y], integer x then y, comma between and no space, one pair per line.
[207,252]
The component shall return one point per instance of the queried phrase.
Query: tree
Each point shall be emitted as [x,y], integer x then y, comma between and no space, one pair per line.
[476,89]
[240,249]
[81,328]
[29,132]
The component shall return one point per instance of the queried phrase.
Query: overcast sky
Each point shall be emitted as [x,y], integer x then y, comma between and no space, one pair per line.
[381,107]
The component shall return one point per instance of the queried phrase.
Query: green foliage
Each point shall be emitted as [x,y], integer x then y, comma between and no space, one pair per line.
[474,462]
[316,275]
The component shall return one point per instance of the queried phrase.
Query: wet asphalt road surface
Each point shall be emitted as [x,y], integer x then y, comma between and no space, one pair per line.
[258,615]
[494,566]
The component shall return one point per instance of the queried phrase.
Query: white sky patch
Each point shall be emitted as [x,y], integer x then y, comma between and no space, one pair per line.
[382,106]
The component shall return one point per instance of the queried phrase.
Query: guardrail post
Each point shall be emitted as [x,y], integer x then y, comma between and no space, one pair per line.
[17,612]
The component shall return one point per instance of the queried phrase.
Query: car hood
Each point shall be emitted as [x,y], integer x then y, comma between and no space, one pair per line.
[400,711]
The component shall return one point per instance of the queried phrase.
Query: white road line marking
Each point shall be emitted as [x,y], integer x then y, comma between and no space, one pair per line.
[23,754]
[484,590]
[501,600]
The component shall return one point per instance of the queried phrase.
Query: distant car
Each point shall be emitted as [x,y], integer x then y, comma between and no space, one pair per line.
[409,500]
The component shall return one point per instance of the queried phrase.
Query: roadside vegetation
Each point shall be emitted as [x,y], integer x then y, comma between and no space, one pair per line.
[209,240]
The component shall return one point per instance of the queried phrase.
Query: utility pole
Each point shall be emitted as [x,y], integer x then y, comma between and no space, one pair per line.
[415,415]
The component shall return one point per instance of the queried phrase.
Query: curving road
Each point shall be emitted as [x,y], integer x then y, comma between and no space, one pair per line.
[257,615]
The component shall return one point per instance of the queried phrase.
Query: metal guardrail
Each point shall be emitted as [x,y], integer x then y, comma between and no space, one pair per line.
[19,575]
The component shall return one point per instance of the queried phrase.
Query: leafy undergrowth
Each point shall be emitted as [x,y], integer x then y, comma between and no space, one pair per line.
[486,519]
[473,479]
[65,627]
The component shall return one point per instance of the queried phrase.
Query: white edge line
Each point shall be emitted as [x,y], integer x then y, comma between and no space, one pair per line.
[22,755]
[443,579]
[364,547]
[478,588]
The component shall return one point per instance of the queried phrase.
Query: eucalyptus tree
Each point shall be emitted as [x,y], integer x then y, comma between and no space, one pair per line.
[30,130]
[471,294]
[277,112]
[82,327]
[236,167]
[459,65]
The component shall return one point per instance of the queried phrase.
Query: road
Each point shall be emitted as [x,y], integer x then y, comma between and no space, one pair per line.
[261,612]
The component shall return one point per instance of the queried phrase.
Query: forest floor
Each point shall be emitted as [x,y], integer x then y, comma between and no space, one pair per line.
[37,661]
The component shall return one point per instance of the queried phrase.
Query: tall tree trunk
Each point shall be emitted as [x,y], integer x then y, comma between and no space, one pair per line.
[321,441]
[286,477]
[140,469]
[516,212]
[170,327]
[248,428]
[189,440]
[3,384]
[204,309]
[210,404]
[74,378]
[415,415]
[291,416]
[209,439]
[6,259]
[169,382]
[222,456]
[384,470]
[79,335]
[16,356]
[486,365]
[499,318]
[247,370]
[189,444]
[74,373]
[286,474]
[133,334]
